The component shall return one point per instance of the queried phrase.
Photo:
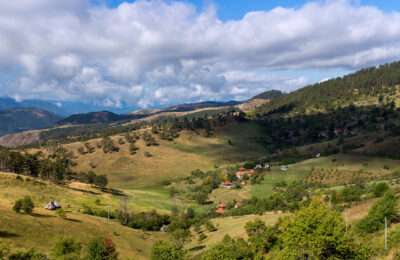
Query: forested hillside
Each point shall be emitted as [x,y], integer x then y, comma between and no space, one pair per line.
[365,87]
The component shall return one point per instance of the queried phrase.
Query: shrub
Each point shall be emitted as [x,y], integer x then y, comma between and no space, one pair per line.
[101,249]
[67,249]
[24,205]
[101,181]
[202,236]
[383,208]
[164,250]
[380,189]
[61,213]
[27,255]
[210,226]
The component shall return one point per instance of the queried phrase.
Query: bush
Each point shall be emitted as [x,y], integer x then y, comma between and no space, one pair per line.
[101,249]
[380,189]
[61,213]
[24,205]
[164,250]
[67,249]
[101,181]
[27,255]
[383,208]
[210,226]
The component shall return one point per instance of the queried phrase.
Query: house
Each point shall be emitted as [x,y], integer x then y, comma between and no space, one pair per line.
[227,185]
[52,205]
[238,205]
[220,208]
[243,172]
[164,228]
[258,166]
[284,168]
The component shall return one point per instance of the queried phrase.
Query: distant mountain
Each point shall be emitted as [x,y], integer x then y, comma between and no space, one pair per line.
[102,117]
[62,108]
[199,105]
[371,86]
[22,119]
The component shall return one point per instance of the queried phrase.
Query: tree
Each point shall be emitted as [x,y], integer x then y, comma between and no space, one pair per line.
[229,249]
[101,181]
[383,208]
[164,250]
[67,249]
[101,249]
[108,145]
[317,232]
[261,238]
[133,148]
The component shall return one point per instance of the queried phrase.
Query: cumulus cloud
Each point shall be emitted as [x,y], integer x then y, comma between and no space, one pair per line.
[155,52]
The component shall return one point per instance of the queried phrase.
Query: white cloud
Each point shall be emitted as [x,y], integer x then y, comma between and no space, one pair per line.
[154,52]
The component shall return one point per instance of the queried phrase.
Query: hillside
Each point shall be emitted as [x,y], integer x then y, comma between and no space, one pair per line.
[270,95]
[44,228]
[372,86]
[200,105]
[22,119]
[96,118]
[169,159]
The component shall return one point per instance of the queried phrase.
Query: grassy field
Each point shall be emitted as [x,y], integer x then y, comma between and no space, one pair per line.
[341,163]
[44,228]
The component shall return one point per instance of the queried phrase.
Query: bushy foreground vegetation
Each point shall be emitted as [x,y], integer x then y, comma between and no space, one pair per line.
[67,249]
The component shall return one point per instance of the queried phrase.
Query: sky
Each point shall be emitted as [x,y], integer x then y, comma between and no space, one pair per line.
[151,53]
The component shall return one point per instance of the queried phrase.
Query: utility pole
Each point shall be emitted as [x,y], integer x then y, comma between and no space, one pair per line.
[386,233]
[108,213]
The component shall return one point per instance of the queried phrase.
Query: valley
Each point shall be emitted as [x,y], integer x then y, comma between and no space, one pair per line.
[195,184]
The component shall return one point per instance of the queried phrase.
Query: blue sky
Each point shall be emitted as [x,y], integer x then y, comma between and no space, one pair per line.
[235,9]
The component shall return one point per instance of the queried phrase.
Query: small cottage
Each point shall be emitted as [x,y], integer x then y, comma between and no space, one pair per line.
[284,168]
[227,185]
[220,208]
[52,205]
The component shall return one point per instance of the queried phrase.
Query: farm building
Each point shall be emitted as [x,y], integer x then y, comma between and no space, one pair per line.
[52,205]
[220,208]
[227,185]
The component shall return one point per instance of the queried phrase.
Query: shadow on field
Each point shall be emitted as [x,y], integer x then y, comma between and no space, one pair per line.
[6,234]
[37,215]
[85,191]
[73,220]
